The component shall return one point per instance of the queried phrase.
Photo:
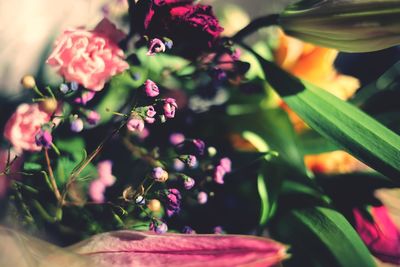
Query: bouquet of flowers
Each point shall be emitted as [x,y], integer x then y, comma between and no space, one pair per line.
[160,136]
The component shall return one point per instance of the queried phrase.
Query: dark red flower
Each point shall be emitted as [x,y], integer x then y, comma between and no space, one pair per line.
[192,28]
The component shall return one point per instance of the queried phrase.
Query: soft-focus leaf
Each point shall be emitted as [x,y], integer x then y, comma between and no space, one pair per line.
[340,122]
[131,248]
[322,237]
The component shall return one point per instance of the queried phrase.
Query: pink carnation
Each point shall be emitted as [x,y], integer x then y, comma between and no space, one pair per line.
[89,57]
[24,125]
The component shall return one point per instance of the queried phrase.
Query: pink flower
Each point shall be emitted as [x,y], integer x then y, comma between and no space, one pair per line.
[156,46]
[89,57]
[104,169]
[96,191]
[85,97]
[135,124]
[219,174]
[169,107]
[202,197]
[24,125]
[189,183]
[381,236]
[159,175]
[151,88]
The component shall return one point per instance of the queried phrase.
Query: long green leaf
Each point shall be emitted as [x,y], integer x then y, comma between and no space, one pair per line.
[339,121]
[322,237]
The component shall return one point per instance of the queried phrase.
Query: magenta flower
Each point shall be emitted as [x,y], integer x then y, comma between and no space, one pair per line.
[131,248]
[135,124]
[85,97]
[156,46]
[44,139]
[151,88]
[381,236]
[169,107]
[173,202]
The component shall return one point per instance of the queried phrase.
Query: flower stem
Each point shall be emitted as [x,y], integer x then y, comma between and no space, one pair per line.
[51,176]
[255,25]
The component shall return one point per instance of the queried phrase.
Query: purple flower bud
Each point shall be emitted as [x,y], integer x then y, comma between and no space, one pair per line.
[219,174]
[64,88]
[168,43]
[151,88]
[93,117]
[202,198]
[188,230]
[159,175]
[189,183]
[169,107]
[135,124]
[218,230]
[176,138]
[226,164]
[158,227]
[77,125]
[191,161]
[173,202]
[155,46]
[200,145]
[44,138]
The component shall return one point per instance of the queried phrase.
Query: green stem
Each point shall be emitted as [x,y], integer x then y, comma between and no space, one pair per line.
[255,25]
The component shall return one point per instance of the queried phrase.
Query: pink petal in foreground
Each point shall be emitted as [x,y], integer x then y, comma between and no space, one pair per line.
[131,248]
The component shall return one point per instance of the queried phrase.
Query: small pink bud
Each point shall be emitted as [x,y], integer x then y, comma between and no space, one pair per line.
[104,169]
[151,88]
[93,117]
[135,124]
[178,165]
[96,191]
[226,164]
[150,113]
[169,107]
[189,183]
[176,138]
[219,174]
[158,227]
[156,46]
[202,198]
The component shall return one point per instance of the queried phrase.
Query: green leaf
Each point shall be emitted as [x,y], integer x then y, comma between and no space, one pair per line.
[32,166]
[322,237]
[118,90]
[339,121]
[311,142]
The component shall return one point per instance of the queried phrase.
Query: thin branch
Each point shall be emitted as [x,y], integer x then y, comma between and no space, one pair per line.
[51,176]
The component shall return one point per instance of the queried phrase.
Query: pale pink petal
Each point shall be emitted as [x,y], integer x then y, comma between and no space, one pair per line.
[131,248]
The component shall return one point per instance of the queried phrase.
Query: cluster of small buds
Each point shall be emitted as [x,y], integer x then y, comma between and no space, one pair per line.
[173,201]
[158,46]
